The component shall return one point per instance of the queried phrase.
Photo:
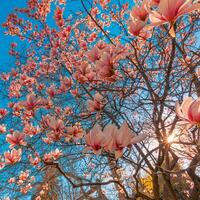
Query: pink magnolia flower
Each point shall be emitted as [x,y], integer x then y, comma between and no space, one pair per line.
[5,77]
[189,111]
[105,66]
[32,102]
[25,189]
[3,112]
[56,154]
[47,157]
[15,139]
[24,175]
[96,104]
[122,138]
[51,91]
[155,2]
[2,128]
[13,156]
[14,89]
[93,54]
[170,10]
[95,140]
[84,73]
[140,12]
[108,132]
[57,125]
[31,130]
[34,161]
[65,84]
[135,27]
[59,16]
[11,180]
[76,132]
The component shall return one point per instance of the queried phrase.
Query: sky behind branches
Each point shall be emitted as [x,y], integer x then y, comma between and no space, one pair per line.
[6,8]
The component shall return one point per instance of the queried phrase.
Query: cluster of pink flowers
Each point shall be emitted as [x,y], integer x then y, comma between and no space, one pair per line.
[159,12]
[53,155]
[59,17]
[189,111]
[111,139]
[105,59]
[24,181]
[58,129]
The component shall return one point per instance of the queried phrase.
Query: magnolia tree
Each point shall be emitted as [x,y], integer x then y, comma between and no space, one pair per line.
[104,101]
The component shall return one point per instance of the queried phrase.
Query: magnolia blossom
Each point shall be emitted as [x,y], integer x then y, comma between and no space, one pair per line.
[135,27]
[139,16]
[76,132]
[170,10]
[47,157]
[34,161]
[56,125]
[2,128]
[56,154]
[3,112]
[105,66]
[13,156]
[140,12]
[95,140]
[53,155]
[51,91]
[31,130]
[84,73]
[16,138]
[111,139]
[121,138]
[93,54]
[24,175]
[189,111]
[96,104]
[32,102]
[11,180]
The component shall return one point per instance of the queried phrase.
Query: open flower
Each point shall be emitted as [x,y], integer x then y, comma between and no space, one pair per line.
[122,138]
[105,65]
[111,139]
[75,132]
[97,104]
[140,12]
[32,102]
[56,154]
[189,111]
[170,10]
[2,128]
[95,140]
[15,139]
[135,27]
[13,156]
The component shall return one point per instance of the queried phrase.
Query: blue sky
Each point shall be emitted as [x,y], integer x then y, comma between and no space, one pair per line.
[7,7]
